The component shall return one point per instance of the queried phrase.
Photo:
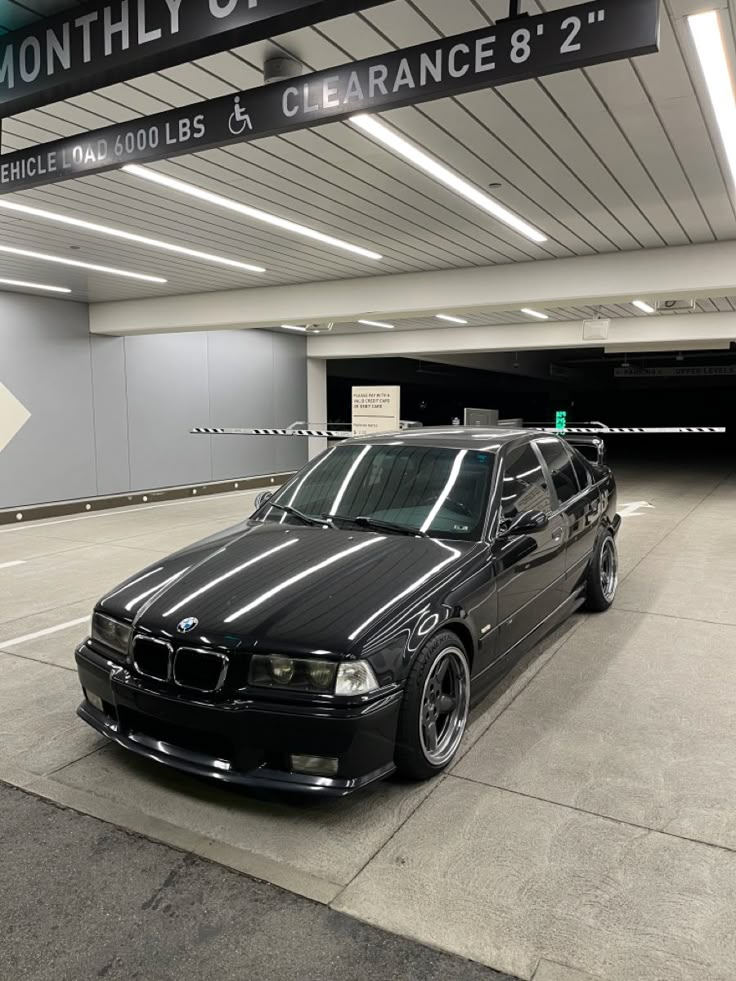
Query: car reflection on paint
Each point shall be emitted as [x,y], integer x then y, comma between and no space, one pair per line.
[344,630]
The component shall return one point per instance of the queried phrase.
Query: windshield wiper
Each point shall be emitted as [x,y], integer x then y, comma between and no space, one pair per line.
[296,513]
[366,521]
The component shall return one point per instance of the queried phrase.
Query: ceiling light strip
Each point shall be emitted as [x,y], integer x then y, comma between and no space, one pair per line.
[390,138]
[153,243]
[243,209]
[708,38]
[644,307]
[534,313]
[376,323]
[451,320]
[289,327]
[80,265]
[34,286]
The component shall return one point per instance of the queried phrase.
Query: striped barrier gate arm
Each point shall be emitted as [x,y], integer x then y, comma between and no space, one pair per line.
[312,433]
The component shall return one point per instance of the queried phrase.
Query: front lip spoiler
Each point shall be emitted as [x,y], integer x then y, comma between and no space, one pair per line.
[201,765]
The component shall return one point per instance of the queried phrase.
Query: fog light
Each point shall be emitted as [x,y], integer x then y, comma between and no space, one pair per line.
[321,766]
[94,700]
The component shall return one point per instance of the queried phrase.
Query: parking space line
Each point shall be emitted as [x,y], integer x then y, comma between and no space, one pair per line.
[43,633]
[9,565]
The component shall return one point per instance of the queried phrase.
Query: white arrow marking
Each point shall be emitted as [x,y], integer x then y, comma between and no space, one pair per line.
[632,510]
[13,416]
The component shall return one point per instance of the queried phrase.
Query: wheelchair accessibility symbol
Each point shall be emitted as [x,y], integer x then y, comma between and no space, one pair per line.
[239,119]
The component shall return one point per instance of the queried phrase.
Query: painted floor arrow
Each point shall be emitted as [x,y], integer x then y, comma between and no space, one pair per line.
[13,416]
[633,510]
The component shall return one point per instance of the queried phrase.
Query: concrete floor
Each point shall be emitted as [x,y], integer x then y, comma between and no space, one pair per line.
[589,828]
[82,900]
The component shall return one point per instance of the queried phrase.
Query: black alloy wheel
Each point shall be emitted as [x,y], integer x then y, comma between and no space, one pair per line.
[435,709]
[602,575]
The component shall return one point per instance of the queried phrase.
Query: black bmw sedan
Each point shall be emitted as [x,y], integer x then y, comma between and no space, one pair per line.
[345,629]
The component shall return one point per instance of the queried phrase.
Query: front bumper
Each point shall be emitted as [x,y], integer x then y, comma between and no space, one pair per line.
[247,743]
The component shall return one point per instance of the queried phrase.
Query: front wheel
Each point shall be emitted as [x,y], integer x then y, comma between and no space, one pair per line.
[602,575]
[434,712]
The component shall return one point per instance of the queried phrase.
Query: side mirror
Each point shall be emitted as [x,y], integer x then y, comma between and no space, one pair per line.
[526,523]
[262,498]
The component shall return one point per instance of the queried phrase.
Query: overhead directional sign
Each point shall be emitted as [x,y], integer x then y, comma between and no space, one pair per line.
[586,34]
[106,41]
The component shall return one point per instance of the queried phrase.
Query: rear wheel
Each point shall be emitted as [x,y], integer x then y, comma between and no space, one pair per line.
[434,712]
[602,575]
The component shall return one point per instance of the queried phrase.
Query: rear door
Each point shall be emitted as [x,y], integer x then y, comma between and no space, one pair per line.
[578,501]
[530,568]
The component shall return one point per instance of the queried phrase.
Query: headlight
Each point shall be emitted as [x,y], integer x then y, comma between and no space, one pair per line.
[306,674]
[111,633]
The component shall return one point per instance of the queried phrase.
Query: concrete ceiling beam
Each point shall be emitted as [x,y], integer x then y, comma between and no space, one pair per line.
[625,334]
[677,272]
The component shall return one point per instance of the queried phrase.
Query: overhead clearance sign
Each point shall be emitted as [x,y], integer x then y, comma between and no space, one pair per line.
[107,41]
[586,34]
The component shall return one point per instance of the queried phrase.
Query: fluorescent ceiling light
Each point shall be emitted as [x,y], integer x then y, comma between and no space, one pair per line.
[452,320]
[34,286]
[81,265]
[534,313]
[644,307]
[376,323]
[243,209]
[706,31]
[412,153]
[289,327]
[154,243]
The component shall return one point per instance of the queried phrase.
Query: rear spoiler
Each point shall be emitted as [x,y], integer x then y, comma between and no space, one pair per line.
[592,447]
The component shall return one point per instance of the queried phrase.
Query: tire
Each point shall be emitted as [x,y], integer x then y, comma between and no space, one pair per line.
[602,575]
[440,674]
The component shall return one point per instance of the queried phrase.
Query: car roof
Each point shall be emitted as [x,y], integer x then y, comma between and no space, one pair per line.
[489,438]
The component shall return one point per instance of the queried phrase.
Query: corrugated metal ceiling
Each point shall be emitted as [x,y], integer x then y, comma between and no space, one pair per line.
[614,158]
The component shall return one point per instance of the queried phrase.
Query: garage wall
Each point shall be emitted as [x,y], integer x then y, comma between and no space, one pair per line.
[112,414]
[45,364]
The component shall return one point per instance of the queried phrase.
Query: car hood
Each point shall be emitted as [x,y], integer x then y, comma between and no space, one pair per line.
[268,586]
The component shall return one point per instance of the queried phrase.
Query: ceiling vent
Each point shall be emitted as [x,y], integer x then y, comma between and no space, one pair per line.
[674,306]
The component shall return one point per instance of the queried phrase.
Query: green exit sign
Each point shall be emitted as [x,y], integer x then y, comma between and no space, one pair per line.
[561,420]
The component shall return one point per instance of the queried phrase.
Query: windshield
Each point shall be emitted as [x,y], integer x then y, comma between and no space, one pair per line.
[431,490]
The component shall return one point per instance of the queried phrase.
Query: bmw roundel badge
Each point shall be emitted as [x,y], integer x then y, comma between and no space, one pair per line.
[186,625]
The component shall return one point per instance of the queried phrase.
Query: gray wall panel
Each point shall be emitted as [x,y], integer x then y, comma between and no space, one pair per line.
[45,363]
[241,395]
[111,414]
[168,393]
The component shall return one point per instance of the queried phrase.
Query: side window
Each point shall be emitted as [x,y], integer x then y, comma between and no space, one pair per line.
[584,476]
[524,485]
[559,460]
